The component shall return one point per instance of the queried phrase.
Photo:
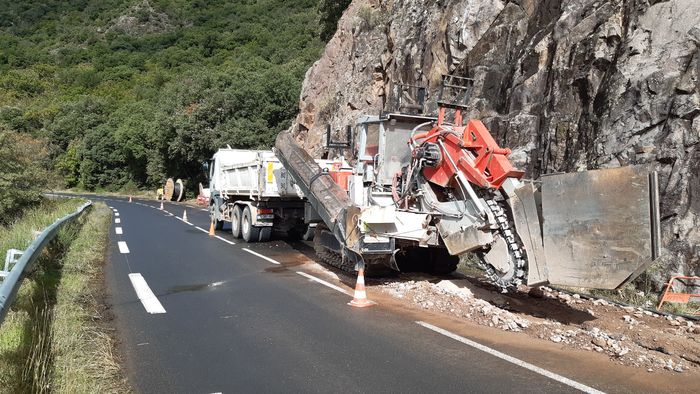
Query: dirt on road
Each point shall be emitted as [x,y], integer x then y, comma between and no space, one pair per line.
[649,342]
[629,336]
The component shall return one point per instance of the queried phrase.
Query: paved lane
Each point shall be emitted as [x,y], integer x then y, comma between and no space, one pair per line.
[232,321]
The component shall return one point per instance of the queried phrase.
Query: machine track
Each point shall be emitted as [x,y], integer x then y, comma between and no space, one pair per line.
[328,256]
[517,259]
[374,267]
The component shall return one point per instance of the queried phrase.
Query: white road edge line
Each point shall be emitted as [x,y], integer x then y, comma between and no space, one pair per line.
[323,282]
[225,240]
[148,299]
[123,248]
[201,229]
[262,256]
[118,230]
[512,360]
[117,220]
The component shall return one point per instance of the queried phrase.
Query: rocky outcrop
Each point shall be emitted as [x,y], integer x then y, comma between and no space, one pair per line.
[568,84]
[140,19]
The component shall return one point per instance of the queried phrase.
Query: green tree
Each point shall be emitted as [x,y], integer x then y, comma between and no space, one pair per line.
[21,176]
[68,165]
[103,161]
[119,104]
[330,12]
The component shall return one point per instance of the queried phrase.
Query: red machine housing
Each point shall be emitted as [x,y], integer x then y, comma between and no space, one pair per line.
[473,151]
[341,175]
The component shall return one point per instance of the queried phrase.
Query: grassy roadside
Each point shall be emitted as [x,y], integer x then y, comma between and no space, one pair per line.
[21,233]
[82,348]
[21,335]
[55,338]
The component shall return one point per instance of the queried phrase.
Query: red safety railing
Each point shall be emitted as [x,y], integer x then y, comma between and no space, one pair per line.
[680,298]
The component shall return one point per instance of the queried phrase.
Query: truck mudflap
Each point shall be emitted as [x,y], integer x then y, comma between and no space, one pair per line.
[599,228]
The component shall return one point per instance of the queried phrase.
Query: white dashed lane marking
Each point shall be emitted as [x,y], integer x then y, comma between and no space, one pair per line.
[123,248]
[148,299]
[323,282]
[118,230]
[225,240]
[262,256]
[117,220]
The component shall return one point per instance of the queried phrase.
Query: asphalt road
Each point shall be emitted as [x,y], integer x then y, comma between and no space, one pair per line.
[236,322]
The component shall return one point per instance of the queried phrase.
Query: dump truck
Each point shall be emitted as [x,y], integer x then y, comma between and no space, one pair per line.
[251,190]
[420,191]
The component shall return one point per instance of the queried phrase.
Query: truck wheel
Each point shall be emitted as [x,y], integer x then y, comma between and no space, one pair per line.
[250,233]
[265,234]
[236,221]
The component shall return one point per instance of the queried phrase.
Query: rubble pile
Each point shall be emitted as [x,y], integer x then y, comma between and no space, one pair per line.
[628,335]
[447,297]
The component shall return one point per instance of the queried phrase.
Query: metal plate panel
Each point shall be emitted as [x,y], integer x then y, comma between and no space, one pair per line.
[396,152]
[597,226]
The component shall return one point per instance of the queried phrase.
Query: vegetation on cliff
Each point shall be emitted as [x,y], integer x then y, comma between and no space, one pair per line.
[126,93]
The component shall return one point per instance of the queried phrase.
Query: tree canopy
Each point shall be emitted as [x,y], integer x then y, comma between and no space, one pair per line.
[132,92]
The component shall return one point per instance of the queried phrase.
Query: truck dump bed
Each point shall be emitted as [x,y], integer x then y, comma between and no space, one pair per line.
[255,174]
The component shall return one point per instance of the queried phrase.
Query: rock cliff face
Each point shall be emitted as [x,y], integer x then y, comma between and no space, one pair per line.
[567,84]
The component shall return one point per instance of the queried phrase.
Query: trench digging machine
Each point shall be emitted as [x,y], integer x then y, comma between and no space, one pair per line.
[421,191]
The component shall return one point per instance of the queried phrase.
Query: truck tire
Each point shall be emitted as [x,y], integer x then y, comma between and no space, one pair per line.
[236,221]
[249,232]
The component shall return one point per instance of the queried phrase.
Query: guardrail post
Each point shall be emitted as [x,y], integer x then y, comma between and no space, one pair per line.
[11,259]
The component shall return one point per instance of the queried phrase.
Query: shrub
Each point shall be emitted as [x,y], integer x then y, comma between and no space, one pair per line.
[21,175]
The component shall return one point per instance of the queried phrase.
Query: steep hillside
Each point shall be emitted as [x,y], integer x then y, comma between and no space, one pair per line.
[127,92]
[568,84]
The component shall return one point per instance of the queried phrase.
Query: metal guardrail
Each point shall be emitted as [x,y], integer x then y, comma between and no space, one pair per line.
[10,277]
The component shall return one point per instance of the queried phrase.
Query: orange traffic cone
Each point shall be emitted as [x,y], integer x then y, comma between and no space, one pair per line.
[130,199]
[212,230]
[184,216]
[161,205]
[360,300]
